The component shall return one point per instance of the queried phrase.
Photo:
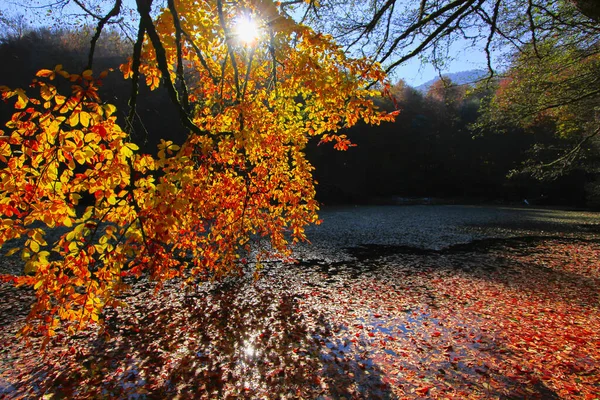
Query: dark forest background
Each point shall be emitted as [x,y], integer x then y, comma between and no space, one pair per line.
[438,149]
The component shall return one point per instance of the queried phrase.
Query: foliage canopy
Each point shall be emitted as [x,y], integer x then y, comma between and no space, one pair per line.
[198,208]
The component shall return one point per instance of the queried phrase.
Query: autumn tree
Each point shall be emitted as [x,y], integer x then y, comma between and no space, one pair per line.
[552,90]
[249,101]
[446,95]
[556,85]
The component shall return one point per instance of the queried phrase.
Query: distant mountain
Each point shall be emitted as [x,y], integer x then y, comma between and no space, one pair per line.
[459,78]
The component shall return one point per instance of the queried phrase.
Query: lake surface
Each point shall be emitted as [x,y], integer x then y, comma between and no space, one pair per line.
[388,302]
[435,227]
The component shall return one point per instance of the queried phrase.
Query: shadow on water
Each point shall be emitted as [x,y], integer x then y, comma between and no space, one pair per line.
[249,340]
[542,221]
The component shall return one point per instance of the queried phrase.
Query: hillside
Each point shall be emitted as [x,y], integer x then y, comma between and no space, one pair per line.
[460,78]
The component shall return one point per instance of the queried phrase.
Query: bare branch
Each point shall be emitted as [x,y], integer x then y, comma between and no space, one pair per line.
[135,67]
[374,21]
[236,74]
[433,36]
[180,76]
[425,21]
[161,59]
[103,21]
[87,10]
[493,28]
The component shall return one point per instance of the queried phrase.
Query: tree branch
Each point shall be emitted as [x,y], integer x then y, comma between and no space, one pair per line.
[87,10]
[532,28]
[236,74]
[135,66]
[573,152]
[434,35]
[161,59]
[374,21]
[112,13]
[200,57]
[431,17]
[488,44]
[180,76]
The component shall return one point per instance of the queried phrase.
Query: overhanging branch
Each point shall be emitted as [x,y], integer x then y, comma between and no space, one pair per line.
[103,21]
[161,59]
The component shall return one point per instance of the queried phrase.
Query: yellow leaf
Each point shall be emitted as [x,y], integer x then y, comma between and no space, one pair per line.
[79,157]
[75,198]
[109,109]
[128,149]
[69,146]
[39,237]
[34,246]
[12,251]
[43,257]
[126,69]
[73,247]
[45,73]
[5,151]
[92,137]
[25,255]
[22,99]
[84,118]
[73,119]
[87,74]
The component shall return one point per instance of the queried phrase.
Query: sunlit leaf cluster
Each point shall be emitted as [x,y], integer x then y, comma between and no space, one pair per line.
[554,83]
[196,209]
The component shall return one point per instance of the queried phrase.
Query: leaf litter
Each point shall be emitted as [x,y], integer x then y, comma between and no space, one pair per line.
[509,318]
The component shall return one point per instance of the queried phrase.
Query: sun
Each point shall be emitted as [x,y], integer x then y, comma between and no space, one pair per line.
[246,30]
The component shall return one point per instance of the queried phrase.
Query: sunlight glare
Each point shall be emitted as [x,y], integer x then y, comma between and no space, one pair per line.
[246,29]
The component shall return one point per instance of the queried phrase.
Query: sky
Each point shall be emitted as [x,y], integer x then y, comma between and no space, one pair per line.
[414,72]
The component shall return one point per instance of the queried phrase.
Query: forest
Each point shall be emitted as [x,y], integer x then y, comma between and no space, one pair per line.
[452,138]
[243,199]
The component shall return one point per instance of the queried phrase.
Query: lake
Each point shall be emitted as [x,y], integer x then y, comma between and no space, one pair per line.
[435,227]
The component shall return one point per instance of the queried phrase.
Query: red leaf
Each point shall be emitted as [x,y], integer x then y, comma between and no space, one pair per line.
[422,391]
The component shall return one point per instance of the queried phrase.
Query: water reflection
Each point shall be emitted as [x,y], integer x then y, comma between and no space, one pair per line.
[249,350]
